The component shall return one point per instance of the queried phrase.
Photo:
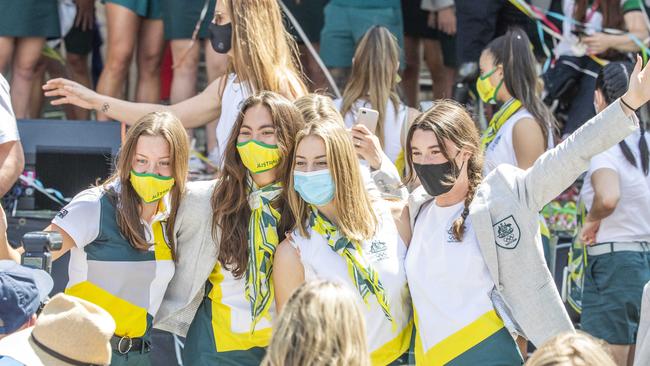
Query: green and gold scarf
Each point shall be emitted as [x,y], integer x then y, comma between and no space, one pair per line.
[498,119]
[262,242]
[364,277]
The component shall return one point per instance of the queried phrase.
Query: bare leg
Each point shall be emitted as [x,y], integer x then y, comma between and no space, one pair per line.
[184,81]
[620,353]
[150,49]
[36,96]
[442,76]
[27,53]
[79,72]
[630,356]
[411,79]
[216,64]
[7,45]
[186,63]
[122,27]
[54,69]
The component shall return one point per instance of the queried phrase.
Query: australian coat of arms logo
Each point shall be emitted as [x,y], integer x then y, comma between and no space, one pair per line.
[507,233]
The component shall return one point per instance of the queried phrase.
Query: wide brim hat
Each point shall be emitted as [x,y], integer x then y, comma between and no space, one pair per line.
[69,331]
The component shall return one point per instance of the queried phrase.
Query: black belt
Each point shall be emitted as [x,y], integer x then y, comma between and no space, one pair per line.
[124,345]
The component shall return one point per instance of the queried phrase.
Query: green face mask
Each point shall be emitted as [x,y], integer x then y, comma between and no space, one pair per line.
[150,187]
[257,156]
[486,91]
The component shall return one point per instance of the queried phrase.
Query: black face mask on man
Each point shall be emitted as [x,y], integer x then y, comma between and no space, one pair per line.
[220,37]
[434,177]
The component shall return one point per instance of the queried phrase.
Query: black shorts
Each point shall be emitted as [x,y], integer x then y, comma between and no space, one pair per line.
[311,17]
[78,41]
[415,20]
[416,26]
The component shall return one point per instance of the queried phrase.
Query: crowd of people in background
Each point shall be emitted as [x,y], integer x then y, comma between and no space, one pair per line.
[379,169]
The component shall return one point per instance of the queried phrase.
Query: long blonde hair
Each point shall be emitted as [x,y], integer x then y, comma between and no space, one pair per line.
[264,54]
[449,121]
[320,325]
[317,108]
[572,349]
[356,217]
[167,126]
[374,74]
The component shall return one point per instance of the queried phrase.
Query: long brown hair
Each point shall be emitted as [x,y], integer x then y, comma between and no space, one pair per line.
[449,121]
[512,51]
[264,54]
[231,212]
[610,9]
[321,325]
[167,126]
[356,218]
[374,74]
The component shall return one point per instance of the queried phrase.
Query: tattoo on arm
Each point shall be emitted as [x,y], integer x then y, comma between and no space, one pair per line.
[105,107]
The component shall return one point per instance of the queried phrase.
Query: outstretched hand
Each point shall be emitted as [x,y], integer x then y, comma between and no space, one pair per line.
[70,92]
[638,91]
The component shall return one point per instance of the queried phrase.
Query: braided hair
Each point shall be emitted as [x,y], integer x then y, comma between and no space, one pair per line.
[449,121]
[612,82]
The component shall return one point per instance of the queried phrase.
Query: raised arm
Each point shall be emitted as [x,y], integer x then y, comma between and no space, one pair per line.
[194,112]
[559,167]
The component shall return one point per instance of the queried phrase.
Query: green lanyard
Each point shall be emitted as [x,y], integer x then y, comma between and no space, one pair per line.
[498,120]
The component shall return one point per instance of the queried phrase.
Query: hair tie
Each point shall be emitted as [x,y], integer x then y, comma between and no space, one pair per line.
[465,212]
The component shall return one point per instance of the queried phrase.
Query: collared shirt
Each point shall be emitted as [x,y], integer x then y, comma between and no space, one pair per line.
[8,129]
[106,270]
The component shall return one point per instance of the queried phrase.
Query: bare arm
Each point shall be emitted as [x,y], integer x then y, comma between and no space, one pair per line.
[607,192]
[528,141]
[635,25]
[68,242]
[557,168]
[288,273]
[12,163]
[402,219]
[7,252]
[194,112]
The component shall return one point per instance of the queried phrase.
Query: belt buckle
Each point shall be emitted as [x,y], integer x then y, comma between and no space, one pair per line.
[119,345]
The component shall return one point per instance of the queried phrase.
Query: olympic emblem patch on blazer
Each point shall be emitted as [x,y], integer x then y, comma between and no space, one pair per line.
[507,233]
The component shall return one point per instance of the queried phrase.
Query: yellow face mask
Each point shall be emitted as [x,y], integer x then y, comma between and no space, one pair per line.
[486,91]
[151,187]
[257,156]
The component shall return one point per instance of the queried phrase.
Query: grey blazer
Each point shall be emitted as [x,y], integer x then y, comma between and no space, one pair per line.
[197,255]
[504,214]
[197,252]
[642,353]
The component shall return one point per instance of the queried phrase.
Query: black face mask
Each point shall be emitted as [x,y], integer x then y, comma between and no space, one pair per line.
[220,37]
[433,176]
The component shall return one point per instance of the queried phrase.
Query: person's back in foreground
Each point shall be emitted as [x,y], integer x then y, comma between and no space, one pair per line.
[320,325]
[571,349]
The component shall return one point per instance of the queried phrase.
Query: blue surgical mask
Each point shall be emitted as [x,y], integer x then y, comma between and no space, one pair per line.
[316,188]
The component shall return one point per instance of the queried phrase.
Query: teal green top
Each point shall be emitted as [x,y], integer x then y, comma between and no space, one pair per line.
[367,3]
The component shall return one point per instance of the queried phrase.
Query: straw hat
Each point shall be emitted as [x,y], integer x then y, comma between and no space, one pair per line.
[69,331]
